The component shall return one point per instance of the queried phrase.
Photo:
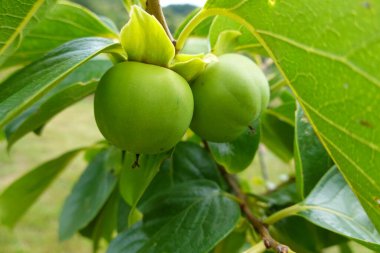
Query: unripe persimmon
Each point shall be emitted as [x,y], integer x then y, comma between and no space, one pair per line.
[228,96]
[143,108]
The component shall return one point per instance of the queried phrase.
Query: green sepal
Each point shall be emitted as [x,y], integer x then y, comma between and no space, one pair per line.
[145,40]
[188,66]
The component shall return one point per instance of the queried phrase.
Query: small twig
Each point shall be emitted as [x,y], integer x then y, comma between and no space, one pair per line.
[153,7]
[259,226]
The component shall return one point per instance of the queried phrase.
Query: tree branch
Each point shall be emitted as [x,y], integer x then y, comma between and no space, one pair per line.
[153,7]
[259,226]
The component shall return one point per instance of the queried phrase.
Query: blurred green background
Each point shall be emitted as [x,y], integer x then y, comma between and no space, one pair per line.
[75,127]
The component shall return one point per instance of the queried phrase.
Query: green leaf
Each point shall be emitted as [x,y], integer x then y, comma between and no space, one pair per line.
[30,83]
[333,206]
[63,22]
[235,241]
[312,160]
[135,178]
[89,194]
[278,136]
[81,83]
[145,40]
[227,42]
[323,48]
[292,231]
[202,30]
[104,224]
[199,213]
[237,155]
[16,19]
[283,196]
[191,163]
[21,194]
[243,41]
[123,214]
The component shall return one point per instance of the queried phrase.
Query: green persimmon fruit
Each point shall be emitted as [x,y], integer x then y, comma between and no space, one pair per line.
[228,95]
[142,108]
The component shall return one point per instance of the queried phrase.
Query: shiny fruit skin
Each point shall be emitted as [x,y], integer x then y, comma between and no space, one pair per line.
[142,108]
[228,96]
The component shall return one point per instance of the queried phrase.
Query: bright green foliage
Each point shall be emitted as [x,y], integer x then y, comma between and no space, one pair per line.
[65,21]
[16,19]
[228,95]
[135,115]
[75,87]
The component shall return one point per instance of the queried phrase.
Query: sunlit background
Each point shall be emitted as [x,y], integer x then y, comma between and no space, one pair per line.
[193,2]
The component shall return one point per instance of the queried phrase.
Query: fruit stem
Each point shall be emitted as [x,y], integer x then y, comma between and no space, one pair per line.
[153,7]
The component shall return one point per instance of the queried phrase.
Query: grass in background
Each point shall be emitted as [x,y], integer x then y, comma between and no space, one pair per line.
[38,229]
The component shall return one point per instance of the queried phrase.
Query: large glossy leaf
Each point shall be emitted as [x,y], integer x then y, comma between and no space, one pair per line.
[21,194]
[312,160]
[16,19]
[237,155]
[333,206]
[30,83]
[63,22]
[135,178]
[328,53]
[88,195]
[190,217]
[75,87]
